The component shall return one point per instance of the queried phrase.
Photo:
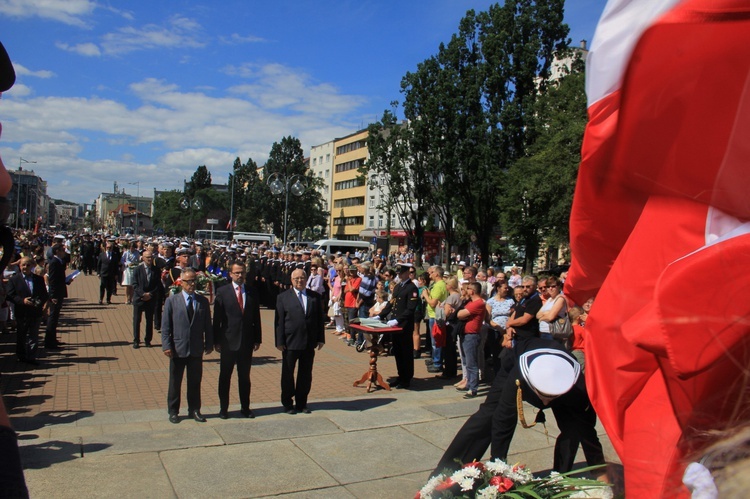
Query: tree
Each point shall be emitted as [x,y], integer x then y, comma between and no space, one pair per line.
[536,205]
[246,183]
[403,170]
[201,179]
[306,211]
[476,100]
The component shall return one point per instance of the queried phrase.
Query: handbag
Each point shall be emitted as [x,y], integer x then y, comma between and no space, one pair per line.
[560,328]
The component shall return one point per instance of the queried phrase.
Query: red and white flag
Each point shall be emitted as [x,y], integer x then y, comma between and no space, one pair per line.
[660,232]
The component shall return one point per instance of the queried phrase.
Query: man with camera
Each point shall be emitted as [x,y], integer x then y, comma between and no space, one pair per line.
[29,294]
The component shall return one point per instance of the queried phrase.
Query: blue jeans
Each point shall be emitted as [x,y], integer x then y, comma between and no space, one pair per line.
[437,352]
[470,347]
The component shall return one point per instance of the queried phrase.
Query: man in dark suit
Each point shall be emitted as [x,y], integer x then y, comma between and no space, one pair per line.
[108,267]
[147,292]
[29,294]
[299,329]
[403,305]
[186,334]
[58,291]
[237,334]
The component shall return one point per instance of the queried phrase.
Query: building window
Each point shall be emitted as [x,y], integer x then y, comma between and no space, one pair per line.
[328,158]
[320,160]
[352,146]
[349,221]
[349,184]
[349,165]
[372,221]
[343,203]
[372,201]
[327,173]
[380,220]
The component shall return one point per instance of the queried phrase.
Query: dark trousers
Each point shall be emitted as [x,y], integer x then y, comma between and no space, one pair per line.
[27,338]
[158,307]
[403,351]
[50,335]
[106,284]
[301,389]
[243,359]
[177,366]
[139,308]
[450,356]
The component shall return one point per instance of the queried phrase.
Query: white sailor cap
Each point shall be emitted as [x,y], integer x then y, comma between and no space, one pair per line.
[198,243]
[183,251]
[549,372]
[184,244]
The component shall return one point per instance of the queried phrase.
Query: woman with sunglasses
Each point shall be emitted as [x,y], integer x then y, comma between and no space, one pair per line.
[556,306]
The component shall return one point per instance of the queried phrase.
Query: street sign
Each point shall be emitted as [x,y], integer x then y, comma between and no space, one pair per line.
[212,221]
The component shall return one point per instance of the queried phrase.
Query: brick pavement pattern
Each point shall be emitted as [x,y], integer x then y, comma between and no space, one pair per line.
[100,371]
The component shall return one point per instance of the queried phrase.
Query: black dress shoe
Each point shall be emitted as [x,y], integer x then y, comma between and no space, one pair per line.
[290,410]
[304,410]
[198,417]
[433,369]
[398,385]
[100,302]
[136,345]
[223,414]
[147,345]
[174,419]
[247,413]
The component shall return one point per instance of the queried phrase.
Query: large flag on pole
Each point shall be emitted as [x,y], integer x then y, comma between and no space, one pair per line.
[660,232]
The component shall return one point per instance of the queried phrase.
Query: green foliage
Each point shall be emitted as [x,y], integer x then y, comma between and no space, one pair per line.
[201,179]
[536,202]
[247,190]
[306,211]
[471,108]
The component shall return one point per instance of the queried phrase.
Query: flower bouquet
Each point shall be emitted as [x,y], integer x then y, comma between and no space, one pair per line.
[498,479]
[204,285]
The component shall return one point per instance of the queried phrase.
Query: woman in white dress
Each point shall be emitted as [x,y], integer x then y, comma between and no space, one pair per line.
[128,263]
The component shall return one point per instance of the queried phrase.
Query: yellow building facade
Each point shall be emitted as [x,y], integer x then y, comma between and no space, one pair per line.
[349,191]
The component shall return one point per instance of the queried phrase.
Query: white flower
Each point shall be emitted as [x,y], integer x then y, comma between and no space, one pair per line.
[429,488]
[519,474]
[597,492]
[465,477]
[489,492]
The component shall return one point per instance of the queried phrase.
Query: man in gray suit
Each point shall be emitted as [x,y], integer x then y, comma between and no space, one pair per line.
[186,334]
[299,328]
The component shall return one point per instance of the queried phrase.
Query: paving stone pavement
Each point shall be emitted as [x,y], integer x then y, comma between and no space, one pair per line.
[92,421]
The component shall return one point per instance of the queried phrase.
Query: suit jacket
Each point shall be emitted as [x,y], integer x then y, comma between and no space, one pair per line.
[108,267]
[298,329]
[183,337]
[56,278]
[142,284]
[403,304]
[233,328]
[18,290]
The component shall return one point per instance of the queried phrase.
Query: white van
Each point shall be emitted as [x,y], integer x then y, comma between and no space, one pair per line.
[332,246]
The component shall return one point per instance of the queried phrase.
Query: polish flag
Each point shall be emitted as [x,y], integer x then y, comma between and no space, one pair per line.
[660,232]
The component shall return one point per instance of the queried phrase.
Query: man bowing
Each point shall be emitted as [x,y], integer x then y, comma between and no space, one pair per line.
[299,328]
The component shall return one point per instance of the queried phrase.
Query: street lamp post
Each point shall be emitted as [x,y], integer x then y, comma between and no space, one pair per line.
[18,199]
[188,204]
[137,199]
[279,183]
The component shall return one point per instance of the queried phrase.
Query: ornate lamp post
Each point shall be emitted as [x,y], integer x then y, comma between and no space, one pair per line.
[278,183]
[190,204]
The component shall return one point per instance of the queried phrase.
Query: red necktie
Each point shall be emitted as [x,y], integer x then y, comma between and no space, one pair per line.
[239,298]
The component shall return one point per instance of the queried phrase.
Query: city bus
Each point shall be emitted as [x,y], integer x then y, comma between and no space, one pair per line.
[216,235]
[254,237]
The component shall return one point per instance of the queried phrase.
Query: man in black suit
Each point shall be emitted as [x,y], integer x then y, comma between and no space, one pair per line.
[237,334]
[403,305]
[58,291]
[29,294]
[186,334]
[299,329]
[108,267]
[147,292]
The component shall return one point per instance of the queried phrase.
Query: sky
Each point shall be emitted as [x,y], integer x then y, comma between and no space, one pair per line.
[143,92]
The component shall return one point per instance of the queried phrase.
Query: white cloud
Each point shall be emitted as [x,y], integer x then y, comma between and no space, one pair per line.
[236,39]
[275,86]
[179,32]
[80,139]
[69,12]
[23,71]
[86,49]
[18,90]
